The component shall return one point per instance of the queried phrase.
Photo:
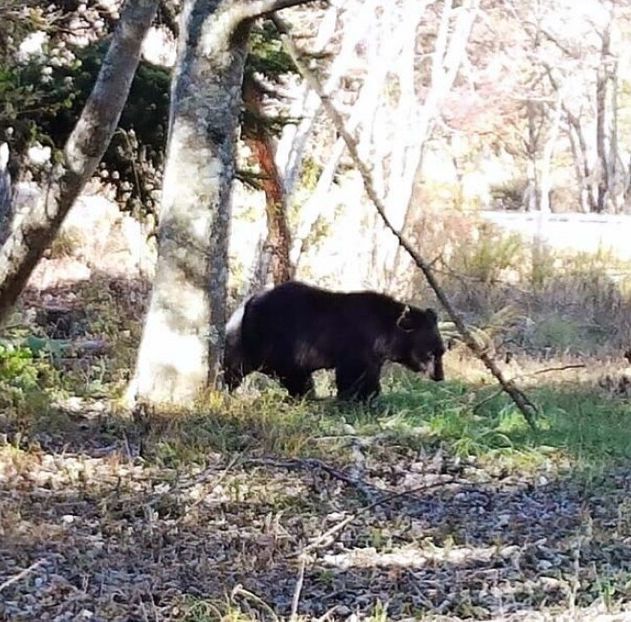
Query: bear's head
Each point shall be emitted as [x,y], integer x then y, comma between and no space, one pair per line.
[419,345]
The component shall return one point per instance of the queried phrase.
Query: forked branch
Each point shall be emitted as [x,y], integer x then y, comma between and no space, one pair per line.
[526,407]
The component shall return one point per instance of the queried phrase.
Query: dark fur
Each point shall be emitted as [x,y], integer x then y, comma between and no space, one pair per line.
[294,329]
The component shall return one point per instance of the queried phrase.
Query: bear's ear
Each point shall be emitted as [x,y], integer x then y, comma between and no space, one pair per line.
[406,320]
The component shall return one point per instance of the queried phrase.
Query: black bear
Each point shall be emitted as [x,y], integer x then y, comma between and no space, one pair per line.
[292,330]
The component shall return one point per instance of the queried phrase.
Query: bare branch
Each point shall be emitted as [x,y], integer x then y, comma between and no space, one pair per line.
[257,8]
[20,575]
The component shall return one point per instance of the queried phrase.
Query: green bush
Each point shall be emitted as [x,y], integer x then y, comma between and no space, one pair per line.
[22,374]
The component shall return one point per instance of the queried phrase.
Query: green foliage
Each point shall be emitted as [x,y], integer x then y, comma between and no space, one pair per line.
[23,375]
[267,55]
[509,194]
[42,103]
[558,332]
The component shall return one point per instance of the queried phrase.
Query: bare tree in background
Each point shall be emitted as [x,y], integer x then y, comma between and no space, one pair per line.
[34,230]
[418,114]
[392,114]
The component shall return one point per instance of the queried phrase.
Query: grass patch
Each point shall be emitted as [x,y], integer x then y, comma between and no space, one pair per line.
[578,428]
[579,423]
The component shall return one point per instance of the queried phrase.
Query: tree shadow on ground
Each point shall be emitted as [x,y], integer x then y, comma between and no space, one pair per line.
[121,537]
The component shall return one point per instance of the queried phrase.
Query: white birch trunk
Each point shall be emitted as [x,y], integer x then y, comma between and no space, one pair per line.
[180,353]
[448,54]
[291,147]
[180,349]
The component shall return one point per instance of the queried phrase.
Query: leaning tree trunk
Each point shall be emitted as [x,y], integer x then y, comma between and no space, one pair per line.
[37,228]
[181,348]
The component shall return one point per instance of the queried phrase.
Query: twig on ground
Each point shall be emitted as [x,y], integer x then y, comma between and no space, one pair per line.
[22,574]
[369,490]
[295,601]
[321,539]
[527,408]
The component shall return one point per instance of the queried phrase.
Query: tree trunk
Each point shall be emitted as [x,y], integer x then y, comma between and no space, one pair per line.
[293,142]
[531,193]
[34,231]
[545,184]
[602,79]
[580,153]
[180,352]
[5,193]
[449,51]
[274,260]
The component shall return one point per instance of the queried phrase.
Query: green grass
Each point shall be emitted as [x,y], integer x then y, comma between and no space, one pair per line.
[579,427]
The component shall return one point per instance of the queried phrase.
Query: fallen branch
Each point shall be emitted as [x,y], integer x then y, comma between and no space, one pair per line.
[527,408]
[295,601]
[20,575]
[323,538]
[546,370]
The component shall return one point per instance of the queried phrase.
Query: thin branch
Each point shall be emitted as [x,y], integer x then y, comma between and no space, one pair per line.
[20,575]
[258,8]
[537,372]
[526,407]
[323,538]
[295,601]
[313,464]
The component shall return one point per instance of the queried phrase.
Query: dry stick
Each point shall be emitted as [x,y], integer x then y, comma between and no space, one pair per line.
[313,464]
[527,408]
[321,539]
[20,575]
[295,601]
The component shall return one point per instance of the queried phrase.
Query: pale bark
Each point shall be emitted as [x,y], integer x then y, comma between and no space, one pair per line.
[182,337]
[386,50]
[449,52]
[180,353]
[601,148]
[36,229]
[291,148]
[531,192]
[545,185]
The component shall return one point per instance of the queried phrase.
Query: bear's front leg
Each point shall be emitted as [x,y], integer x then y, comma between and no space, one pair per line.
[357,380]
